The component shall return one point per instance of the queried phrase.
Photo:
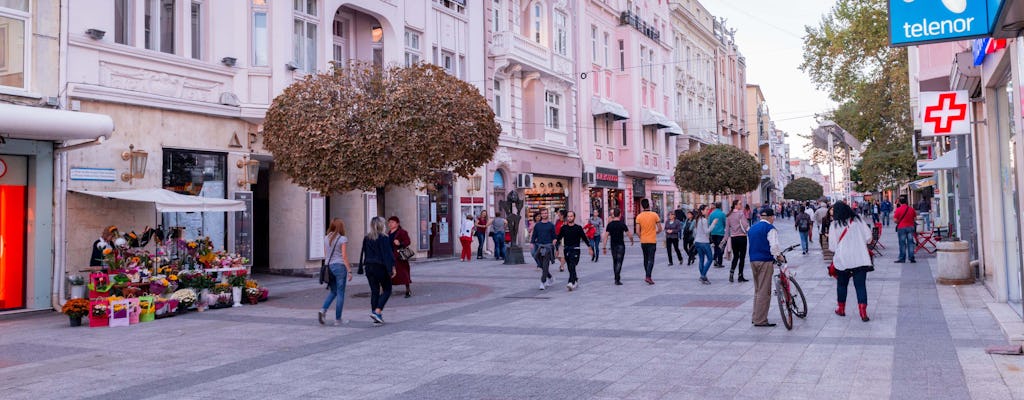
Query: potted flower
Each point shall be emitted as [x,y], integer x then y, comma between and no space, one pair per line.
[186,298]
[98,313]
[237,282]
[77,283]
[253,295]
[75,309]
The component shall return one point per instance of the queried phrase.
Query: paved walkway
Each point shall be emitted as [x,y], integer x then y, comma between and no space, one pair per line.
[482,330]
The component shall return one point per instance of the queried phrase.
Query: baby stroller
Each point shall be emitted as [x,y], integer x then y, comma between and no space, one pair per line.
[874,245]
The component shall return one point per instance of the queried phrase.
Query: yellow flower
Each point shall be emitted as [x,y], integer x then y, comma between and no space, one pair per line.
[107,251]
[192,245]
[173,277]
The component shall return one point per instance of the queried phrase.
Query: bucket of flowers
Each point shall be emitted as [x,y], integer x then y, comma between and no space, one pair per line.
[186,298]
[253,295]
[75,309]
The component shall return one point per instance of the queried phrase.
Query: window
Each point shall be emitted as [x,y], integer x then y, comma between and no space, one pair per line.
[412,48]
[122,21]
[538,22]
[607,129]
[644,72]
[13,40]
[448,62]
[593,44]
[497,97]
[606,55]
[260,34]
[159,25]
[197,30]
[624,137]
[622,55]
[496,15]
[458,5]
[304,35]
[188,172]
[552,118]
[462,67]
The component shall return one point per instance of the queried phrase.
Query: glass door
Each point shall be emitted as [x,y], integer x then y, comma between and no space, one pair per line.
[13,185]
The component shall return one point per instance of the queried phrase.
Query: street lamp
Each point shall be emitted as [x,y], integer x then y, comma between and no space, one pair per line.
[250,171]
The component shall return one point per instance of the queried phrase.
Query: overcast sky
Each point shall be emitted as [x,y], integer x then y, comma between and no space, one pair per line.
[769,34]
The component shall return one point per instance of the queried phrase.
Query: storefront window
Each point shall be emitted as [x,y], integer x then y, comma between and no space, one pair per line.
[13,15]
[547,193]
[197,174]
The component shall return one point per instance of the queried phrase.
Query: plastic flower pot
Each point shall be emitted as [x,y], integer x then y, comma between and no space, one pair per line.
[75,320]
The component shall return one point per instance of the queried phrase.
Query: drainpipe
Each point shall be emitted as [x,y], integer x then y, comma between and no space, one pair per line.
[59,168]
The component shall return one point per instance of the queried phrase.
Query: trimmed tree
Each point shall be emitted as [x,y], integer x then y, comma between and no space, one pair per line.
[803,189]
[718,170]
[364,127]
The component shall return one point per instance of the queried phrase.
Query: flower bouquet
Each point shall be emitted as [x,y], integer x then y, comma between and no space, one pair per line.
[253,295]
[186,298]
[119,310]
[160,308]
[147,309]
[221,288]
[99,285]
[75,309]
[172,306]
[158,286]
[237,279]
[133,310]
[99,313]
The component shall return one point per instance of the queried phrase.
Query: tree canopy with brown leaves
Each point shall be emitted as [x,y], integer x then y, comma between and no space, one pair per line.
[364,127]
[717,169]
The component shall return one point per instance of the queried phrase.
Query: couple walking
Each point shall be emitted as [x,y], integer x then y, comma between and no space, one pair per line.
[544,239]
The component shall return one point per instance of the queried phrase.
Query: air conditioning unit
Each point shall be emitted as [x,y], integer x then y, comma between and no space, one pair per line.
[524,181]
[589,179]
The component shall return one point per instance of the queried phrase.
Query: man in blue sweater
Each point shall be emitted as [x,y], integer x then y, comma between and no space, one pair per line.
[764,249]
[543,240]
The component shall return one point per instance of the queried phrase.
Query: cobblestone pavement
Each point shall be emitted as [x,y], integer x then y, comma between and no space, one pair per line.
[482,330]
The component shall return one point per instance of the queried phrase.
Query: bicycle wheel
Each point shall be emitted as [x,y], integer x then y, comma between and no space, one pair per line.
[784,311]
[799,303]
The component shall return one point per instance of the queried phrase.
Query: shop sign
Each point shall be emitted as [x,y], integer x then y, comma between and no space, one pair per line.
[945,113]
[606,177]
[663,180]
[985,46]
[922,172]
[639,188]
[923,21]
[93,174]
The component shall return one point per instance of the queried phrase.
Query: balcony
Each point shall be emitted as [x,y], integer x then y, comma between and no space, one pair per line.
[518,49]
[762,140]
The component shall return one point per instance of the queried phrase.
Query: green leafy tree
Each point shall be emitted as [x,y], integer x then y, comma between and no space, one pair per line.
[718,170]
[364,127]
[803,189]
[848,55]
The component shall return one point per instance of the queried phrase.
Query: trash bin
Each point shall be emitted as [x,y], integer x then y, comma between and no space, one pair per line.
[954,263]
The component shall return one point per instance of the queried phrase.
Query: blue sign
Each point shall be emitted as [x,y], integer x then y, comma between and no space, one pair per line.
[925,21]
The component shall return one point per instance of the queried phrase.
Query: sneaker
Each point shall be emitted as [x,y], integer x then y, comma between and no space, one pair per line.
[377,319]
[649,281]
[569,286]
[543,286]
[320,317]
[706,281]
[618,283]
[899,261]
[913,261]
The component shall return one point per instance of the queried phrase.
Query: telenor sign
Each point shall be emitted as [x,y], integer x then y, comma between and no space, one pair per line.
[925,21]
[945,113]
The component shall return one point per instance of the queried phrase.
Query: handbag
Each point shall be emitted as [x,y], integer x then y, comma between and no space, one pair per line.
[405,253]
[832,265]
[325,272]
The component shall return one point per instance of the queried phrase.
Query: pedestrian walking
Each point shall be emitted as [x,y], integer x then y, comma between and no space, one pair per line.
[851,259]
[648,228]
[736,226]
[570,237]
[702,242]
[466,238]
[672,233]
[543,239]
[803,224]
[886,209]
[906,226]
[688,247]
[717,219]
[876,210]
[614,235]
[400,238]
[498,227]
[595,243]
[336,247]
[560,214]
[924,208]
[378,258]
[530,224]
[481,234]
[764,249]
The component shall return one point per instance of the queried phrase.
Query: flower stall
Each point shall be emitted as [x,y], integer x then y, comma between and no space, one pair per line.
[142,281]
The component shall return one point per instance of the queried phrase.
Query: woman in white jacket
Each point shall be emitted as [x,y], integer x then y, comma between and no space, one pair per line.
[849,239]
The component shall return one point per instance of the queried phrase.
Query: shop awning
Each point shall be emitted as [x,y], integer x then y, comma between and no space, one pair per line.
[673,129]
[945,161]
[600,106]
[37,123]
[168,201]
[651,117]
[921,183]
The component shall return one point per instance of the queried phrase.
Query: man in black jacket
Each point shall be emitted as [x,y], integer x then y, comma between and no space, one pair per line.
[571,235]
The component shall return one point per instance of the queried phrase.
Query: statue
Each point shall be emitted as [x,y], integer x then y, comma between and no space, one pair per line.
[513,207]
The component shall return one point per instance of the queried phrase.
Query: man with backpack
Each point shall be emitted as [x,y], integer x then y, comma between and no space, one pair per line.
[803,224]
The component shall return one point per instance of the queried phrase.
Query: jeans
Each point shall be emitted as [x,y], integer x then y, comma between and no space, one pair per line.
[859,276]
[671,243]
[803,240]
[380,285]
[595,244]
[480,244]
[705,258]
[926,218]
[906,240]
[885,218]
[739,252]
[648,250]
[499,245]
[338,291]
[716,241]
[572,258]
[544,253]
[618,254]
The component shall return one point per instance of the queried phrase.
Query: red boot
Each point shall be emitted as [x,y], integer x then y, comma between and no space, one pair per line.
[863,312]
[841,310]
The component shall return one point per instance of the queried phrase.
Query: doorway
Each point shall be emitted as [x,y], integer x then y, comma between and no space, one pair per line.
[441,223]
[13,210]
[261,220]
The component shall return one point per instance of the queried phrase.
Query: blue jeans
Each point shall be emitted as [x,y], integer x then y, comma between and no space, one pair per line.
[803,240]
[595,244]
[480,236]
[499,245]
[338,291]
[926,219]
[859,276]
[906,239]
[705,254]
[885,218]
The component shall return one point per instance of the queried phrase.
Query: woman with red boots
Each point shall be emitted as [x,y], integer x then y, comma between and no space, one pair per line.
[849,239]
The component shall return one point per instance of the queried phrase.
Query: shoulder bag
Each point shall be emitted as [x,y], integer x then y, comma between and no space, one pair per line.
[325,272]
[405,253]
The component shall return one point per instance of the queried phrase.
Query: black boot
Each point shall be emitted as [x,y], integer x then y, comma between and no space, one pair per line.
[730,276]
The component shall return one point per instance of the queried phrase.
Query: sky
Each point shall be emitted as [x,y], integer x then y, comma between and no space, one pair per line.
[769,35]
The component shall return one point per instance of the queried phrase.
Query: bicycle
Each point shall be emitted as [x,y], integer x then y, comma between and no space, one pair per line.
[787,291]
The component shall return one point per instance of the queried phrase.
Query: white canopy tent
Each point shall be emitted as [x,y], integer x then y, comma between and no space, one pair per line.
[168,201]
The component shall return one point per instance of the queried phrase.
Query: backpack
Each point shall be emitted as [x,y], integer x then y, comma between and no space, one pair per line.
[803,224]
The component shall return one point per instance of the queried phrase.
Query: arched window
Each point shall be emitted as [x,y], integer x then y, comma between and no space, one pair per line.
[499,180]
[537,15]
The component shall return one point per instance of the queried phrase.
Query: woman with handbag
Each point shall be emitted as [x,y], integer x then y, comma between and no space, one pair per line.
[849,240]
[337,261]
[400,243]
[736,226]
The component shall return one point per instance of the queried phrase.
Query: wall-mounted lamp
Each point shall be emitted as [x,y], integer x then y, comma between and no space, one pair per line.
[95,34]
[229,61]
[377,34]
[291,66]
[136,164]
[250,171]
